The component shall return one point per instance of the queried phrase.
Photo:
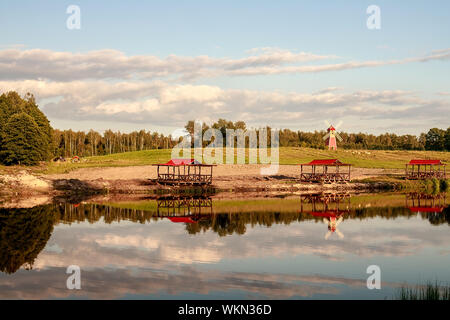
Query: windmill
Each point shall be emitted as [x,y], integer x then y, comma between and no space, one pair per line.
[332,135]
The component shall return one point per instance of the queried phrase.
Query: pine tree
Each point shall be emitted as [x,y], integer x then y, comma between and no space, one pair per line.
[11,105]
[22,141]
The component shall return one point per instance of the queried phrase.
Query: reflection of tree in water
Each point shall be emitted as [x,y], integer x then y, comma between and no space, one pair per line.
[25,232]
[437,218]
[231,223]
[228,224]
[23,235]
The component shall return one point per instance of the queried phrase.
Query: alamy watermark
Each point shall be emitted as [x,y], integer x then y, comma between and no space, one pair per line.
[74,280]
[374,280]
[235,142]
[73,22]
[374,20]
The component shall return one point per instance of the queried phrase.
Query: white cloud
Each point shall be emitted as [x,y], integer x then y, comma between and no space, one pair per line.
[113,64]
[108,85]
[161,103]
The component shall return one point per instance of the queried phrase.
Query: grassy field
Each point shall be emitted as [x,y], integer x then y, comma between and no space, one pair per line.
[288,156]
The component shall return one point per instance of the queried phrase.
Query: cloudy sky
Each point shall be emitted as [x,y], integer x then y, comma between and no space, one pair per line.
[155,65]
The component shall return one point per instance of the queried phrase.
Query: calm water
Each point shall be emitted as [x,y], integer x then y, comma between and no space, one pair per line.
[309,247]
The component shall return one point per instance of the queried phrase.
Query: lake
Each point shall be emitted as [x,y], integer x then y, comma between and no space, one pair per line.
[311,246]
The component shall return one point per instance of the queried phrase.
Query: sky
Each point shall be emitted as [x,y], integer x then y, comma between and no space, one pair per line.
[154,65]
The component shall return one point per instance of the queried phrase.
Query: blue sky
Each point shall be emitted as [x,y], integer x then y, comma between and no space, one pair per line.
[334,30]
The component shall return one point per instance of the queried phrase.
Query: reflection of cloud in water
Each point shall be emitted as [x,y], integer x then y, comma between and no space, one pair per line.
[158,244]
[161,257]
[110,284]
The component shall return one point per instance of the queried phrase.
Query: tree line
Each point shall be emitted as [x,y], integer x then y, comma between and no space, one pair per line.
[435,139]
[68,143]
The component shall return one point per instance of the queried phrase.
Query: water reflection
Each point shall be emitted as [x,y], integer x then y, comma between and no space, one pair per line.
[184,209]
[330,206]
[247,247]
[23,235]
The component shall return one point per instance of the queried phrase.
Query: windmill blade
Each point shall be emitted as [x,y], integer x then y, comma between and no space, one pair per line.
[338,136]
[326,136]
[328,235]
[339,124]
[340,234]
[327,123]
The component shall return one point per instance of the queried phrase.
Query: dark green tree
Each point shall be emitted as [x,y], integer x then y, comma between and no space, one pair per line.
[447,140]
[435,139]
[11,105]
[22,141]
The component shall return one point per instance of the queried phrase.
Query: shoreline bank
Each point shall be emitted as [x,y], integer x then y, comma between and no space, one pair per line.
[25,186]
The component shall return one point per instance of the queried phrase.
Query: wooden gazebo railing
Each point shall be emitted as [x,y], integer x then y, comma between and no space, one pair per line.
[425,169]
[184,206]
[184,172]
[325,171]
[422,202]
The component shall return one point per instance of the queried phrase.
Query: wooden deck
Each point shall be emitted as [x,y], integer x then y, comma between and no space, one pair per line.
[176,206]
[325,177]
[184,179]
[414,175]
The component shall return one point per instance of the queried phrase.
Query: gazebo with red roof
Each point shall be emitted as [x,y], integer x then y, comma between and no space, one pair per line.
[184,172]
[425,169]
[325,171]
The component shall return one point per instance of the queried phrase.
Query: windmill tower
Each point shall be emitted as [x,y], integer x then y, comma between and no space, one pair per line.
[332,135]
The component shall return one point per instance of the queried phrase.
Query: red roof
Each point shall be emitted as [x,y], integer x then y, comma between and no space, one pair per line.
[326,162]
[331,129]
[181,220]
[327,214]
[180,162]
[418,162]
[426,209]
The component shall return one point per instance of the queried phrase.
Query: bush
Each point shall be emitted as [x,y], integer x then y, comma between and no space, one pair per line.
[444,185]
[435,185]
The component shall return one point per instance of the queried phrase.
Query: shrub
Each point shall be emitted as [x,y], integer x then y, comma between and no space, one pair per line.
[444,185]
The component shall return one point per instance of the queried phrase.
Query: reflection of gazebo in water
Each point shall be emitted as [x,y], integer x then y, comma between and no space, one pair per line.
[331,207]
[184,209]
[422,202]
[325,171]
[184,172]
